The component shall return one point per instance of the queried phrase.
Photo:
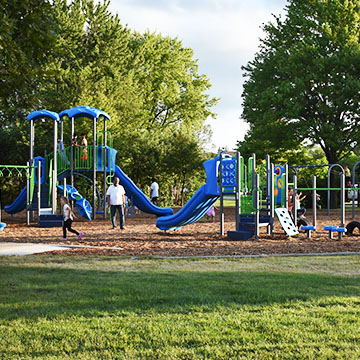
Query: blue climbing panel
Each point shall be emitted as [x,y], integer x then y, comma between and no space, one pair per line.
[228,174]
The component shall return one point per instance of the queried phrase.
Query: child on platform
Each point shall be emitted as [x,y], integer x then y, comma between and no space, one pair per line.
[68,218]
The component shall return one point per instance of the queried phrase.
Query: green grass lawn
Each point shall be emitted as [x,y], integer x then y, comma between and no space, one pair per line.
[57,307]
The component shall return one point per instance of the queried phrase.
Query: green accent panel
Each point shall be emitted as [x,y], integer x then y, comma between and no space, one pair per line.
[50,181]
[250,167]
[32,184]
[246,204]
[13,170]
[283,190]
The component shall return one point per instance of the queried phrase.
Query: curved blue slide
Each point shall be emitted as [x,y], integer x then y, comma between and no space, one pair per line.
[192,211]
[18,205]
[140,199]
[83,207]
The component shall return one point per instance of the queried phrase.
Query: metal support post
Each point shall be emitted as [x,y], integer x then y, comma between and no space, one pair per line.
[342,199]
[105,163]
[272,200]
[268,189]
[28,173]
[94,169]
[286,186]
[72,153]
[314,200]
[238,191]
[257,212]
[294,209]
[39,189]
[32,133]
[54,182]
[222,231]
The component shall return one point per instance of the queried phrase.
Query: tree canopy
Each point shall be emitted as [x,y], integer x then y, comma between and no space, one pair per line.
[303,86]
[60,54]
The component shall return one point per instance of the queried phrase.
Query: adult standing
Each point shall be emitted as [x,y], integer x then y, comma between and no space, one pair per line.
[116,199]
[154,188]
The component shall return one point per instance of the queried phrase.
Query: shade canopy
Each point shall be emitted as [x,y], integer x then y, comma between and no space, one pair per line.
[84,111]
[43,114]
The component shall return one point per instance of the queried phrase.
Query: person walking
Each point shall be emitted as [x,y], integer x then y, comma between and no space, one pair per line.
[68,218]
[116,200]
[154,194]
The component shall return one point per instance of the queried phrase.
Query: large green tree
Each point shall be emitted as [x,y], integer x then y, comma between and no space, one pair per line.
[26,42]
[26,39]
[150,84]
[303,86]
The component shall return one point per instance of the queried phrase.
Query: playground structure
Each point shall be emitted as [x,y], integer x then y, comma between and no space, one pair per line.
[258,189]
[43,175]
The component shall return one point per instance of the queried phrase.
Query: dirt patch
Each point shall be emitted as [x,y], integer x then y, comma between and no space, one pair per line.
[142,238]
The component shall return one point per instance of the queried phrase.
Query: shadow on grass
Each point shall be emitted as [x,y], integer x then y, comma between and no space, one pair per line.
[32,292]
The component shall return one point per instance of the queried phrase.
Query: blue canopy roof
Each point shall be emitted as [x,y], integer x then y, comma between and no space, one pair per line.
[84,111]
[41,114]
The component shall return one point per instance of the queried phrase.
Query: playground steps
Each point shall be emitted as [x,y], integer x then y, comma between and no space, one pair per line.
[240,235]
[50,220]
[246,228]
[44,197]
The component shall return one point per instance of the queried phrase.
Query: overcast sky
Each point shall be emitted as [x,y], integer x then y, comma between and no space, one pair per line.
[224,35]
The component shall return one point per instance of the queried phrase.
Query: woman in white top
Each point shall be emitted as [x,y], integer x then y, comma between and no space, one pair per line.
[68,218]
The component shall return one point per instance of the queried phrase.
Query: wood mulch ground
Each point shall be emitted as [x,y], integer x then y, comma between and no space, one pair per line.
[142,238]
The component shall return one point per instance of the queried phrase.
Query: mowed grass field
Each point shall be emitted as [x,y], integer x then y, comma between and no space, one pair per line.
[67,307]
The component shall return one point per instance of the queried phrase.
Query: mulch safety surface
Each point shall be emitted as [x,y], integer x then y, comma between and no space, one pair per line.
[142,238]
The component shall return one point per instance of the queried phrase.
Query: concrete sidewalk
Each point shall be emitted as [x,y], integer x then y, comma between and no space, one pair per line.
[20,249]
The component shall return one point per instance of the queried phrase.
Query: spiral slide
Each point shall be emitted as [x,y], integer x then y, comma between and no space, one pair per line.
[140,199]
[83,207]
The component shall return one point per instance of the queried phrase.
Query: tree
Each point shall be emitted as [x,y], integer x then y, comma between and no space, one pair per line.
[183,161]
[303,84]
[26,39]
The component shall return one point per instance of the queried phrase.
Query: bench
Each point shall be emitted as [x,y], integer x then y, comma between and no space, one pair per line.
[308,230]
[332,229]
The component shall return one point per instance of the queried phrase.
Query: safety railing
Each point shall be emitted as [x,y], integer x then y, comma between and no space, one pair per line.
[14,171]
[83,158]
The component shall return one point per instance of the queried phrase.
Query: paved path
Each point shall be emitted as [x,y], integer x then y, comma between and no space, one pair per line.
[20,249]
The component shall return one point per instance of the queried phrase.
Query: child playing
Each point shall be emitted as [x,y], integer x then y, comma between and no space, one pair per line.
[68,218]
[298,198]
[211,213]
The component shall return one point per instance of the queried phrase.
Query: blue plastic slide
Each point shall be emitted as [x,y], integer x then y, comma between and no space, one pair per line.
[192,211]
[83,207]
[140,199]
[199,203]
[18,205]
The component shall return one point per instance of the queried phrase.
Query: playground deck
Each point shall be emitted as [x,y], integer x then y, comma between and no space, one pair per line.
[142,238]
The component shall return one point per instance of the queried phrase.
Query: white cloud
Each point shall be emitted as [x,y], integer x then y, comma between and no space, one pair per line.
[224,35]
[227,129]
